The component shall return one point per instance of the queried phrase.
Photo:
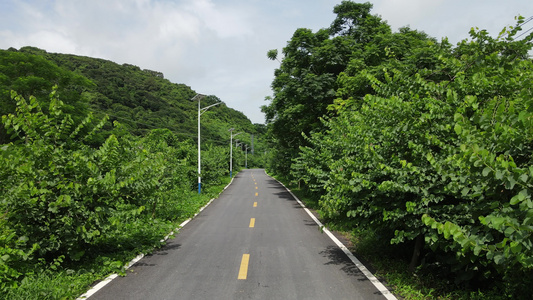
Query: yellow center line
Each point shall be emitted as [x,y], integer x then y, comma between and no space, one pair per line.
[256,188]
[256,194]
[255,204]
[252,222]
[243,271]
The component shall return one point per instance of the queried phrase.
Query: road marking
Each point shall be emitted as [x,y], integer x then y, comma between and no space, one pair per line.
[255,204]
[381,288]
[256,188]
[256,194]
[243,271]
[252,222]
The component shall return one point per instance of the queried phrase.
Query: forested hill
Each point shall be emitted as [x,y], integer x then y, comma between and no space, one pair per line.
[140,99]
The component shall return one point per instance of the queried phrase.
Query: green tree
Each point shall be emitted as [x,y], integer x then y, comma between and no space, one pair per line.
[33,75]
[306,82]
[439,154]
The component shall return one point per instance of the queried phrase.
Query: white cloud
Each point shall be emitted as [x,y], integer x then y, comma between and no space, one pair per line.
[219,46]
[226,21]
[452,18]
[176,25]
[53,41]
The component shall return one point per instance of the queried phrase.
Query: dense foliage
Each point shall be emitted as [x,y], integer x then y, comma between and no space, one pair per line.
[101,168]
[428,145]
[63,200]
[33,75]
[305,83]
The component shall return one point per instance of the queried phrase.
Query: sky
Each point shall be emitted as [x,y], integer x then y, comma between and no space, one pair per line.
[218,47]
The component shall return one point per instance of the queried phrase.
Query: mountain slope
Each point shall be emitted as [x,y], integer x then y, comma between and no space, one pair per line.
[140,99]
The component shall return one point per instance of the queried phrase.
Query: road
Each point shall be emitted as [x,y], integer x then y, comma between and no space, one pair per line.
[253,242]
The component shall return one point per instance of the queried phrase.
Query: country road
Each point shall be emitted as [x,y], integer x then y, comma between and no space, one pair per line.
[253,242]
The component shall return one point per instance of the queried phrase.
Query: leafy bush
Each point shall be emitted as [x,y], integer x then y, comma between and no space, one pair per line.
[439,154]
[62,199]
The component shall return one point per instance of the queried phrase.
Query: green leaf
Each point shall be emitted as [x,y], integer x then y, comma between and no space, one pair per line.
[458,129]
[486,171]
[499,259]
[427,220]
[516,247]
[515,200]
[497,222]
[509,231]
[519,197]
[478,163]
[510,182]
[53,209]
[524,177]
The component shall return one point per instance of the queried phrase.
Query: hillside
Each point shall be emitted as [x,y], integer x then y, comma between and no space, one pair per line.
[140,99]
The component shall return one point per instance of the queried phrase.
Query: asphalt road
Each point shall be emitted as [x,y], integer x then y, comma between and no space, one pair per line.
[253,242]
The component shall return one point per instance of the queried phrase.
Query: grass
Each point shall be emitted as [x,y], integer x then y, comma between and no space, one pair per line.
[64,284]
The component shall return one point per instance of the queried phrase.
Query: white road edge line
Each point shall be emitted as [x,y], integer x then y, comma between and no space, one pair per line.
[108,279]
[381,288]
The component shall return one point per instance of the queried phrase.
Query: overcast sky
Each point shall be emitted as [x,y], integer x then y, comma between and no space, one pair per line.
[218,47]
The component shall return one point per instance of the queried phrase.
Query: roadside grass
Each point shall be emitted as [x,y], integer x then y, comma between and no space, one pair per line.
[386,264]
[60,280]
[393,270]
[52,285]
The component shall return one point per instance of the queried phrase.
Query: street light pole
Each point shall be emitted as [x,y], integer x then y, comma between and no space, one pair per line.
[231,150]
[199,153]
[200,112]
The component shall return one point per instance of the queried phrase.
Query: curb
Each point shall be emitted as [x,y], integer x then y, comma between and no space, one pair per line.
[381,288]
[109,278]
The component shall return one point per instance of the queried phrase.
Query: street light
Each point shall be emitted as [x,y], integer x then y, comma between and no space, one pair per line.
[200,112]
[231,150]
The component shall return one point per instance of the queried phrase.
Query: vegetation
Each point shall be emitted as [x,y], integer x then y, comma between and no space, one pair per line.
[140,99]
[412,145]
[422,145]
[98,162]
